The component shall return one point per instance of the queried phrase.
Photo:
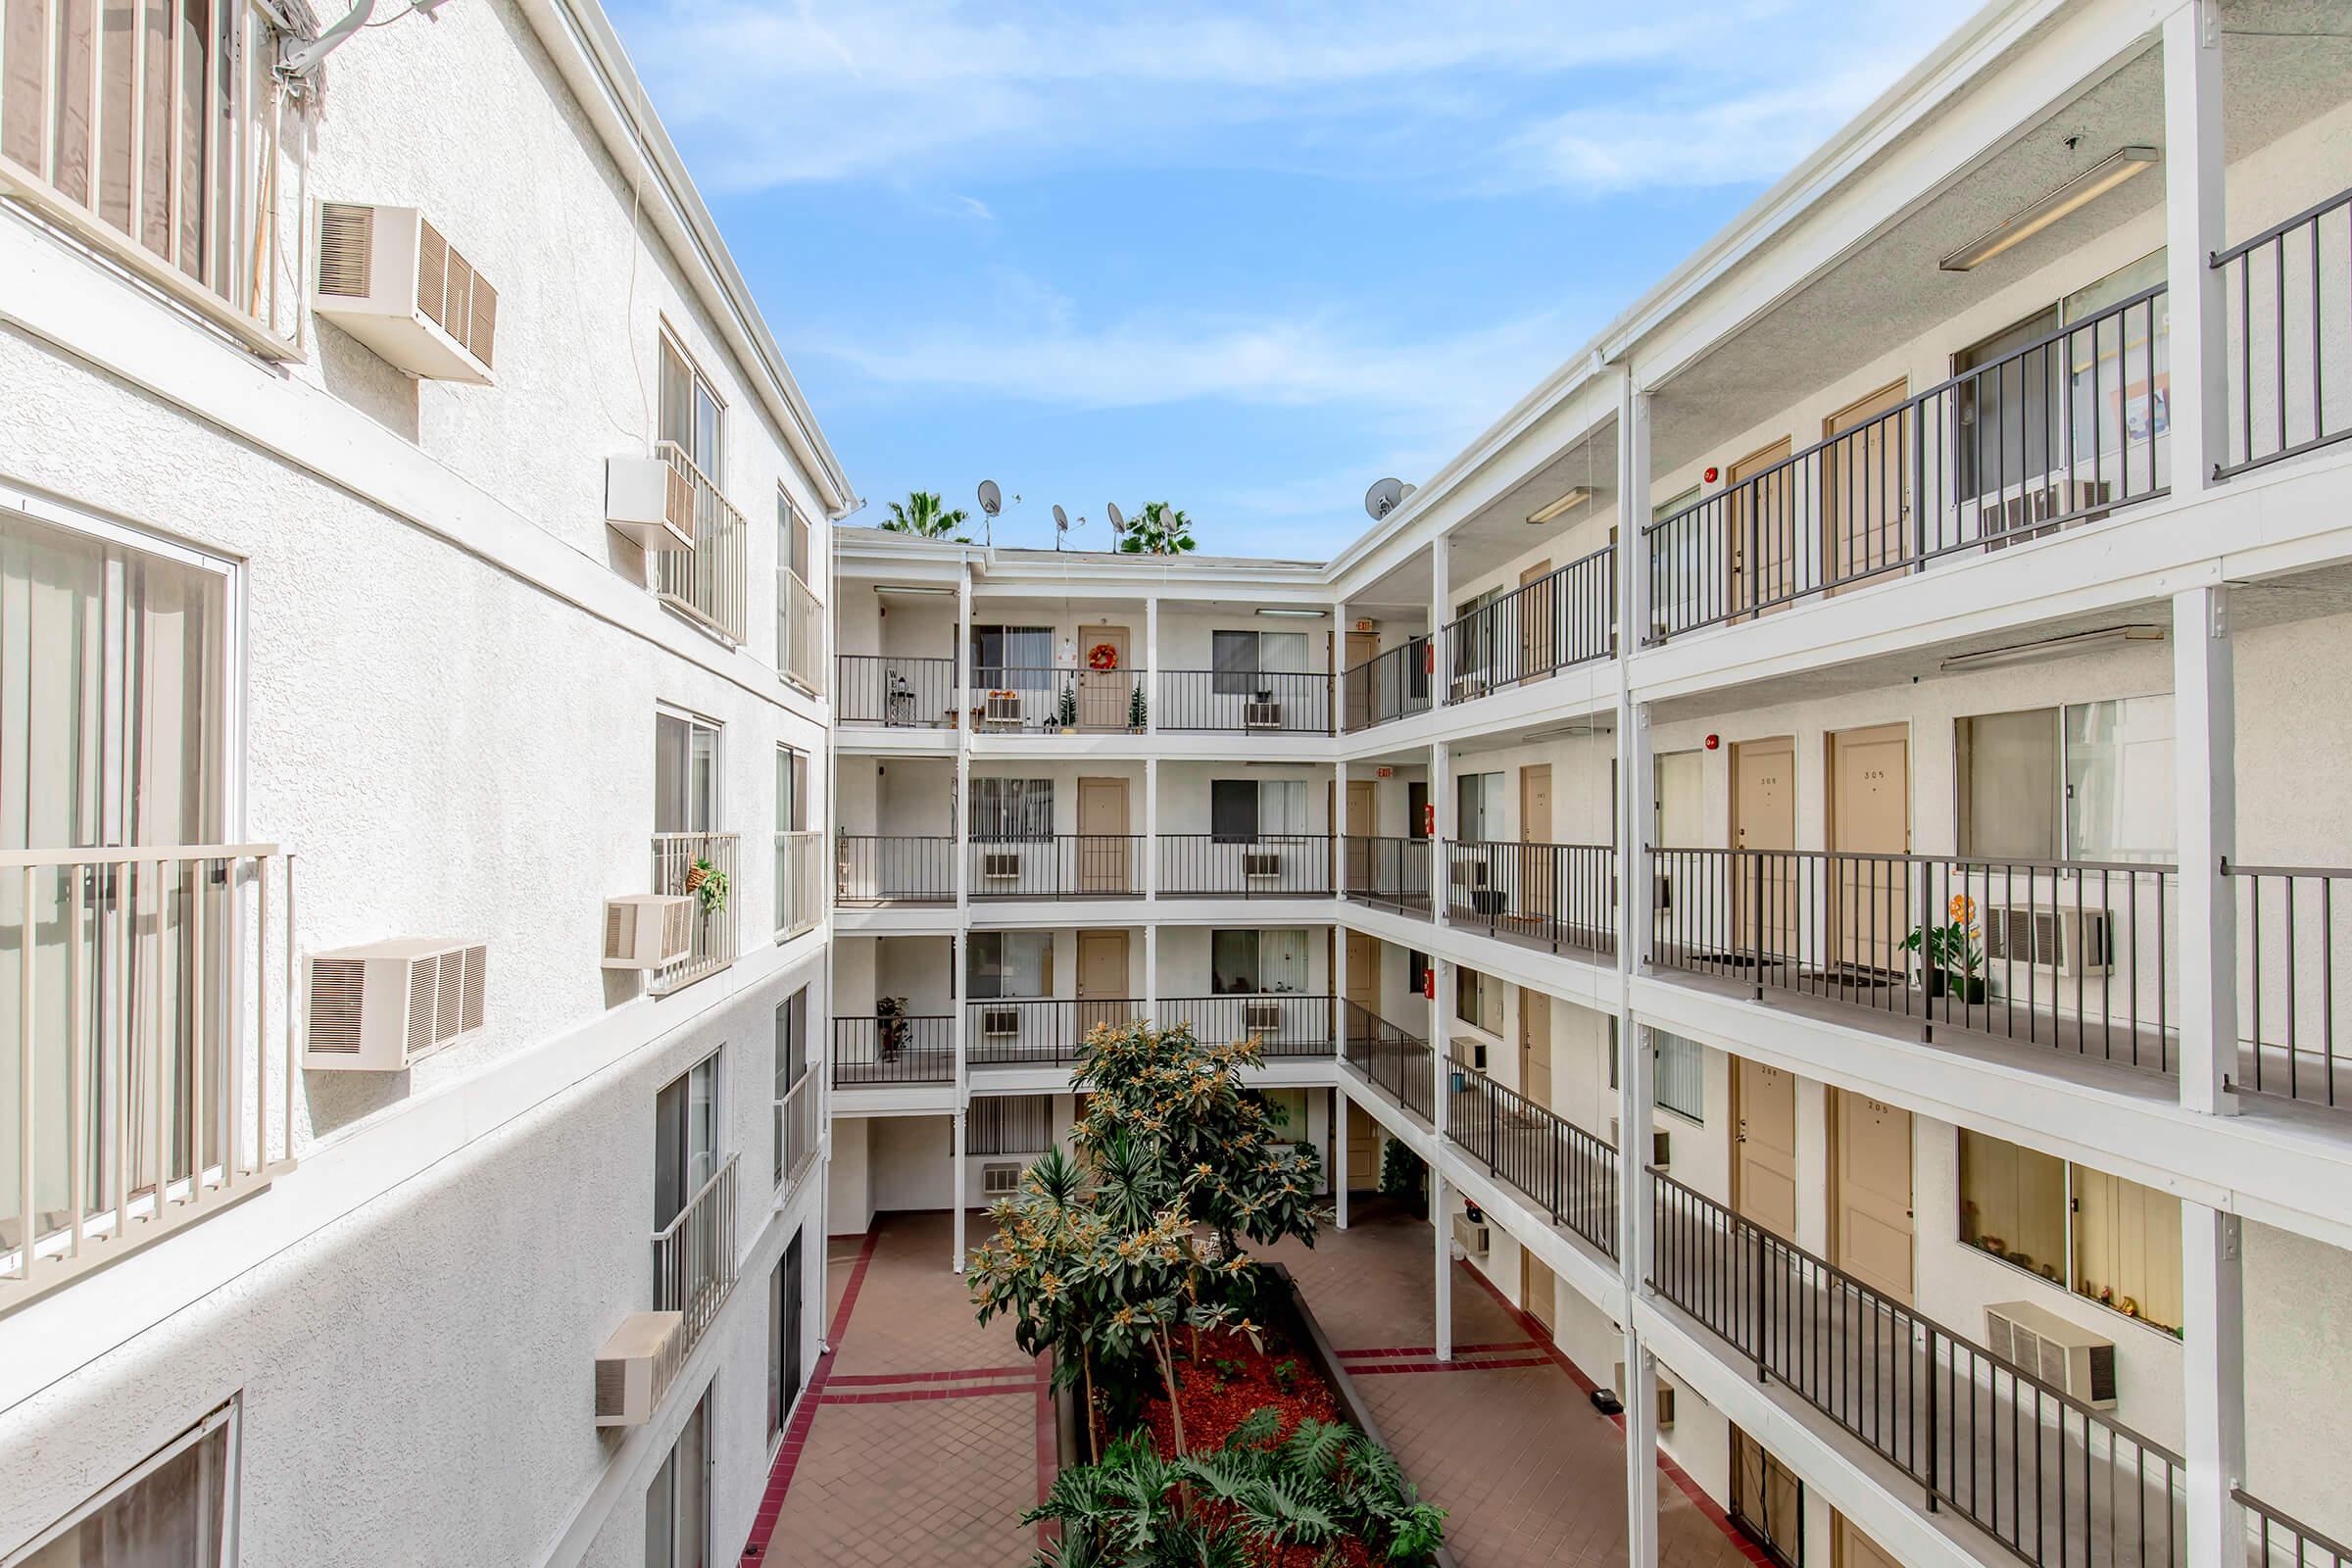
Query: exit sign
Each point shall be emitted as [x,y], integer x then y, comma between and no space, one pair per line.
[1367,626]
[1384,772]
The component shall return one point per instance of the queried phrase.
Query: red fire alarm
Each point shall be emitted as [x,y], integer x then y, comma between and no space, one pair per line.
[1429,820]
[1429,981]
[1710,474]
[1713,741]
[1428,657]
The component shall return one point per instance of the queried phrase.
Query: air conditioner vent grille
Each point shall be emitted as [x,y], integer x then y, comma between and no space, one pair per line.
[432,273]
[611,1388]
[420,1008]
[346,249]
[335,987]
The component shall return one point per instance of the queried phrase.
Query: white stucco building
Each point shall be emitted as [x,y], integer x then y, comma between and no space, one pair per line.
[413,542]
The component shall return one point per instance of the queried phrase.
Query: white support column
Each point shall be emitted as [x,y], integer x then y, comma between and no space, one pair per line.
[1150,824]
[1442,803]
[1440,595]
[2193,191]
[1640,1396]
[955,1187]
[2213,1380]
[1335,697]
[1151,974]
[1151,665]
[2205,798]
[1440,1227]
[964,725]
[963,1087]
[1636,1078]
[1441,1048]
[1339,1158]
[1339,838]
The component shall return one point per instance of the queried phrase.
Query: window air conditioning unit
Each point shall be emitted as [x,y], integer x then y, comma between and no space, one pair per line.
[651,500]
[1003,707]
[999,864]
[999,1181]
[1661,1143]
[2017,513]
[1261,716]
[634,1368]
[1471,873]
[1261,863]
[2068,1358]
[1000,1023]
[1470,1235]
[2072,941]
[388,278]
[1665,1398]
[648,931]
[1261,1015]
[381,1005]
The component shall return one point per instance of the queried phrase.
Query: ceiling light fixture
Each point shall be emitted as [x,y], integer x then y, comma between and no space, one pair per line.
[2035,216]
[1563,506]
[912,588]
[1289,613]
[2051,647]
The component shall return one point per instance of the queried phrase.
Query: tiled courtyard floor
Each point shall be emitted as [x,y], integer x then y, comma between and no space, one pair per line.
[921,1438]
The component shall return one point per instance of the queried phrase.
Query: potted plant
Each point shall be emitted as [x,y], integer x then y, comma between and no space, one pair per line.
[709,884]
[1949,958]
[1066,708]
[890,1026]
[1136,711]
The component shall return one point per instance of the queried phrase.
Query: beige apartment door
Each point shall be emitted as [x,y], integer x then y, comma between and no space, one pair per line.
[1850,1547]
[1535,1045]
[1767,1498]
[1760,526]
[1764,1146]
[1536,1294]
[1870,814]
[1102,988]
[1869,1208]
[1364,971]
[1361,861]
[1102,693]
[1862,482]
[1539,614]
[1537,869]
[1103,849]
[1362,648]
[1363,1149]
[1764,820]
[1679,821]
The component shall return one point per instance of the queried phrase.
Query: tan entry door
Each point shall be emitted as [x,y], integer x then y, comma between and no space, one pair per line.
[1362,648]
[1359,863]
[1535,1045]
[1764,819]
[1870,814]
[1870,1178]
[1679,821]
[1536,1294]
[1764,1147]
[1767,1498]
[1862,474]
[1363,1149]
[1852,1549]
[1364,971]
[1537,869]
[1102,988]
[1102,693]
[1761,527]
[1103,847]
[1538,614]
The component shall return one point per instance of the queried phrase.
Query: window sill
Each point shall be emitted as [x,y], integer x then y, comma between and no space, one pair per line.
[2068,1293]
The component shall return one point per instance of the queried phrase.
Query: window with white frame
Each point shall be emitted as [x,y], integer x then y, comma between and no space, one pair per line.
[800,616]
[692,415]
[179,1507]
[1009,1124]
[677,1501]
[1478,998]
[1005,965]
[686,1137]
[685,774]
[1251,962]
[1478,807]
[1017,659]
[784,1308]
[2089,781]
[1241,657]
[1242,810]
[2107,1239]
[1681,1075]
[1011,809]
[1474,640]
[791,1041]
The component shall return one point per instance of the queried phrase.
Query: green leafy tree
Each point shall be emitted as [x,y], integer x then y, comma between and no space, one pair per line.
[1159,529]
[922,515]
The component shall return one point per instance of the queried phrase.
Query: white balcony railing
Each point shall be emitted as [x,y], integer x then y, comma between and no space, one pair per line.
[800,632]
[704,585]
[676,858]
[145,1078]
[694,1258]
[800,882]
[796,1134]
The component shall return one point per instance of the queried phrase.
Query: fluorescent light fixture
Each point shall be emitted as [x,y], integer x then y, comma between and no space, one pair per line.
[2051,647]
[912,588]
[1289,613]
[1563,506]
[2035,216]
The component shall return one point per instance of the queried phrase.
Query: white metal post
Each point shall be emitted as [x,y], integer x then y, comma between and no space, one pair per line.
[1440,592]
[1443,829]
[1151,665]
[965,723]
[1637,789]
[2205,801]
[956,1191]
[1339,838]
[1339,1157]
[1152,848]
[2213,1380]
[963,1087]
[2193,195]
[1439,1227]
[1640,1396]
[1440,1049]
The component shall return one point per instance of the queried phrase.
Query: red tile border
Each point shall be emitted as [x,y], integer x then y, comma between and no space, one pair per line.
[1431,1350]
[804,1415]
[1048,1446]
[909,1396]
[959,1375]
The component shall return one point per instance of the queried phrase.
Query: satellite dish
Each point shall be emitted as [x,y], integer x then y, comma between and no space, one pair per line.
[992,499]
[1386,497]
[1118,519]
[1061,519]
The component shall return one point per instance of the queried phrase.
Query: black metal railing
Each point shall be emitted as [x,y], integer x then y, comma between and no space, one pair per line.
[1562,619]
[1271,866]
[1285,1023]
[1395,1060]
[2073,954]
[1039,1031]
[902,693]
[1059,865]
[2286,320]
[871,868]
[1386,874]
[905,1050]
[1245,702]
[1560,896]
[1389,686]
[1005,699]
[2277,1539]
[2294,939]
[1558,1165]
[2059,431]
[2052,1480]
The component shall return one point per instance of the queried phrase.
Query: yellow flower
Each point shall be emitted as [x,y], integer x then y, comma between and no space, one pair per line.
[1963,907]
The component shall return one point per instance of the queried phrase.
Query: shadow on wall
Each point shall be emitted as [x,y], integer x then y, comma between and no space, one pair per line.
[355,376]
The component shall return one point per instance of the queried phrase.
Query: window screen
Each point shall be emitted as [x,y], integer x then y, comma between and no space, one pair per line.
[1004,966]
[2009,785]
[1009,1124]
[1013,808]
[2119,779]
[1012,658]
[1233,810]
[1681,1075]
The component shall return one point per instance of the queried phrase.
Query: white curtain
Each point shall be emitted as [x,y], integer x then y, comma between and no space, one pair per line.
[1280,806]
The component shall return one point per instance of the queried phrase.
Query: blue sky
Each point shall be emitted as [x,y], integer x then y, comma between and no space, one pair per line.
[1242,259]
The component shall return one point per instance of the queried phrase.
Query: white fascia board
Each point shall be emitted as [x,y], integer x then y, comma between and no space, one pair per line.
[579,37]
